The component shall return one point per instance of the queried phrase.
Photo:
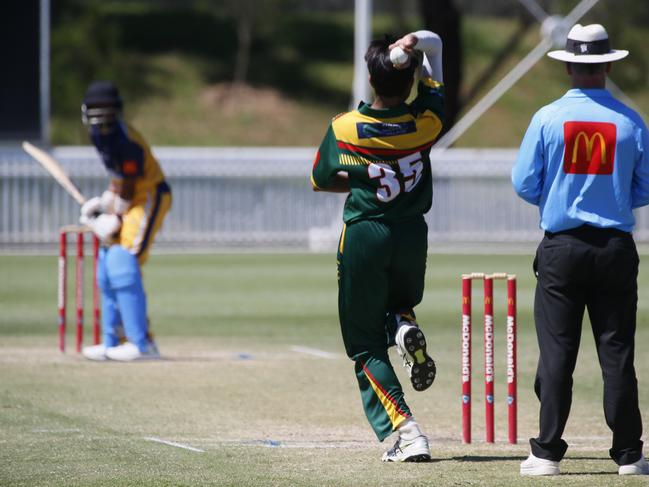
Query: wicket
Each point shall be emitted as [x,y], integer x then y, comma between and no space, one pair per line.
[79,285]
[489,354]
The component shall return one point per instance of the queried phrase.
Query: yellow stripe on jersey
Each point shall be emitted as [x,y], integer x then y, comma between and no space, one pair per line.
[341,246]
[391,409]
[349,160]
[428,127]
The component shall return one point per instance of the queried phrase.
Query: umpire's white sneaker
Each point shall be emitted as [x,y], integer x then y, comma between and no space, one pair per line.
[411,346]
[415,450]
[641,467]
[128,352]
[539,466]
[95,352]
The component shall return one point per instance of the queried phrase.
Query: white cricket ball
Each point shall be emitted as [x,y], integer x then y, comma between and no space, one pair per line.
[399,57]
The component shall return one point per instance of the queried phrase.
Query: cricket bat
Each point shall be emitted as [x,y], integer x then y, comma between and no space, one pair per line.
[55,170]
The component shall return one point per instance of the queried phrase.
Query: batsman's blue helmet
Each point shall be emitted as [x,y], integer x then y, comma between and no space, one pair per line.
[101,105]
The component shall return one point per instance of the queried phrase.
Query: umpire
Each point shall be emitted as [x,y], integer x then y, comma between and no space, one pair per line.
[584,161]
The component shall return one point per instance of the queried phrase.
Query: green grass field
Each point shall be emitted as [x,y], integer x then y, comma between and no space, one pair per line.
[262,412]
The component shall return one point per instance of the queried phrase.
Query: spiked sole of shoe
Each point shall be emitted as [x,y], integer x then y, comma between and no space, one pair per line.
[423,371]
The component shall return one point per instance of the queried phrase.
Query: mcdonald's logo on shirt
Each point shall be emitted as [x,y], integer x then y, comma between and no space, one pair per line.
[589,147]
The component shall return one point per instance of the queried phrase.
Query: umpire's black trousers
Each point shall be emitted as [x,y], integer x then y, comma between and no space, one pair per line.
[596,269]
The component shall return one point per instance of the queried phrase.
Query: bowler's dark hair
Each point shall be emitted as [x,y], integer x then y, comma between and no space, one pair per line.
[384,77]
[588,68]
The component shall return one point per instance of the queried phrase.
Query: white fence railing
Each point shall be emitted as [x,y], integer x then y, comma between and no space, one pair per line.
[226,198]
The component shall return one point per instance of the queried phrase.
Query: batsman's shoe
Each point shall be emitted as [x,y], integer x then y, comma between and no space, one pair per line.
[128,352]
[539,466]
[411,346]
[415,450]
[641,467]
[95,352]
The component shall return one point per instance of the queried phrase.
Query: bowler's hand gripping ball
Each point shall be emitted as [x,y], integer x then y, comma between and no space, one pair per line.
[399,57]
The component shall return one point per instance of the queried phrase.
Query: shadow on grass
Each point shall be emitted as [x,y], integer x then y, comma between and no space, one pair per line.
[493,458]
[487,458]
[563,474]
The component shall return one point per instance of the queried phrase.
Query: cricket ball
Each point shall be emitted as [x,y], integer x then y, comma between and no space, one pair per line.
[399,57]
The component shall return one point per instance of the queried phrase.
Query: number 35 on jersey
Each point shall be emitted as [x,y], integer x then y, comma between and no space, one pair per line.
[395,179]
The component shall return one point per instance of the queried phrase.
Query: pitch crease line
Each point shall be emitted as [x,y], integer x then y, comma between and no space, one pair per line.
[173,443]
[313,351]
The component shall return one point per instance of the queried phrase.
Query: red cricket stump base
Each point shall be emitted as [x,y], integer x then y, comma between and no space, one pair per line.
[489,364]
[79,231]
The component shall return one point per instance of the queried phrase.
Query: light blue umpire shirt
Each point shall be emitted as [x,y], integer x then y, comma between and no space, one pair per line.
[584,159]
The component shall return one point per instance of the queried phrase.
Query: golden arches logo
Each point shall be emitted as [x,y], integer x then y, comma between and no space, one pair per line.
[590,143]
[591,159]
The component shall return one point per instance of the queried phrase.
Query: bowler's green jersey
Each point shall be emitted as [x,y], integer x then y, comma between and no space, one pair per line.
[386,154]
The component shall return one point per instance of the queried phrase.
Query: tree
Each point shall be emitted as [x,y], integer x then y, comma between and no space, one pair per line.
[249,17]
[244,15]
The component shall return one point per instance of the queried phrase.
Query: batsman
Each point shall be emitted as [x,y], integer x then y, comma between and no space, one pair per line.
[379,155]
[126,218]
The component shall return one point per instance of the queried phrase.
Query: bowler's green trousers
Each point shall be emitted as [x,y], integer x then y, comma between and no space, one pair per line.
[381,269]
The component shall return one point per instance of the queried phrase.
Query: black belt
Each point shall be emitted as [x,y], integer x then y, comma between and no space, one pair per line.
[586,231]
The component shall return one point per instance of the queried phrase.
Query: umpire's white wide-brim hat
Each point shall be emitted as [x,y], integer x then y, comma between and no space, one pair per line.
[588,44]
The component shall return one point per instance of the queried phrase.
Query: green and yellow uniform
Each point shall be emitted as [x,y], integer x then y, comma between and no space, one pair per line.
[382,250]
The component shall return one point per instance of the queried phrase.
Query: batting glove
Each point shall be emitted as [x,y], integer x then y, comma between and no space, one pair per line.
[107,201]
[113,203]
[91,208]
[105,226]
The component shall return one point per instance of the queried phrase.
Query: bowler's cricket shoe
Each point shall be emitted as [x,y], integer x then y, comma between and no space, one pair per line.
[95,352]
[534,465]
[415,450]
[641,467]
[128,352]
[411,346]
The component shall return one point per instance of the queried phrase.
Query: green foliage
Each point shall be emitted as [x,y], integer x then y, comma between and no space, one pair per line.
[626,22]
[168,58]
[87,44]
[84,47]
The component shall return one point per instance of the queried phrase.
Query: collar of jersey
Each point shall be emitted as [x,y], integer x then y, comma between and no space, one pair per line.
[398,111]
[589,92]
